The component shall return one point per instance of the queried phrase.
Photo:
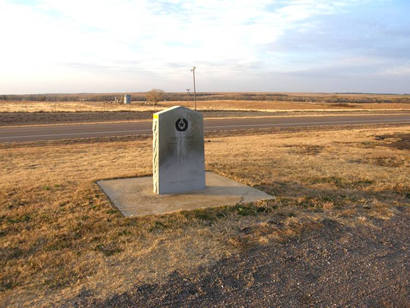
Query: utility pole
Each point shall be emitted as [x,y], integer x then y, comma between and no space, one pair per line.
[193,75]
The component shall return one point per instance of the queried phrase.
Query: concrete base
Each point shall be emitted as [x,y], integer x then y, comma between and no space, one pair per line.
[135,196]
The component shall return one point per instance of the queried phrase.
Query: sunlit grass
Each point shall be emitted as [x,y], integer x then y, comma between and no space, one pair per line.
[59,233]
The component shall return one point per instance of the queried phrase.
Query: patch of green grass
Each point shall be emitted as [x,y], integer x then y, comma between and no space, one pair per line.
[221,215]
[60,278]
[205,215]
[341,182]
[19,219]
[108,250]
[157,226]
[246,210]
[61,242]
[7,283]
[111,211]
[369,144]
[329,179]
[11,253]
[124,232]
[317,202]
[362,182]
[209,215]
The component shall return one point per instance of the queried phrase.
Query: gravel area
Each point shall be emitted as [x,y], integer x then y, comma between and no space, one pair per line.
[335,266]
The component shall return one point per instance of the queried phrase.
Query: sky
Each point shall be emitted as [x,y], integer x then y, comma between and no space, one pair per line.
[77,46]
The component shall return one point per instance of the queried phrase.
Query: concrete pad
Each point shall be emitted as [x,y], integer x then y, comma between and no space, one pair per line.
[135,196]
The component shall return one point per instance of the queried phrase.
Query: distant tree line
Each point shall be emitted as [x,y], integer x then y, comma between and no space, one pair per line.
[67,97]
[159,95]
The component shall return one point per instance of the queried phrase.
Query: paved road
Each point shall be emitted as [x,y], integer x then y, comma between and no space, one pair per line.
[84,130]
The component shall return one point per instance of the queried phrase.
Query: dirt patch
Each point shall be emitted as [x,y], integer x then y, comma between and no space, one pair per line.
[399,141]
[386,161]
[330,265]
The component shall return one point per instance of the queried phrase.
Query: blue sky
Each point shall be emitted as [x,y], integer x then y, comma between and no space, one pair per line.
[242,45]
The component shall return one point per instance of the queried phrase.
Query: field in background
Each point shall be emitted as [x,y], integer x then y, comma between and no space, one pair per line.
[70,108]
[214,105]
[60,237]
[209,96]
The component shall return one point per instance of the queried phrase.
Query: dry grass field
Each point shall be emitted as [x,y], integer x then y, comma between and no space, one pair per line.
[289,106]
[61,238]
[33,112]
[243,105]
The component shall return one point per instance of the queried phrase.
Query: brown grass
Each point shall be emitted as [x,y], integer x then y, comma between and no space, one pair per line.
[28,106]
[60,235]
[289,106]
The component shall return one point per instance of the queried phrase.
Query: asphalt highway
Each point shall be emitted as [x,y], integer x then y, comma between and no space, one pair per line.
[103,129]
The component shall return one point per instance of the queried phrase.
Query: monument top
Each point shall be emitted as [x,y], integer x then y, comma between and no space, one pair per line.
[170,109]
[174,109]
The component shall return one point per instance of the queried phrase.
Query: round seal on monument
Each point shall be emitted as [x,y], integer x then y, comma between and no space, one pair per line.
[181,125]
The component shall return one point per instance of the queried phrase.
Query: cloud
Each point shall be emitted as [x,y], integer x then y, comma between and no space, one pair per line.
[398,71]
[144,42]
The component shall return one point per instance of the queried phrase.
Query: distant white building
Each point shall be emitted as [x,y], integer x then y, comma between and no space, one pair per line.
[127,99]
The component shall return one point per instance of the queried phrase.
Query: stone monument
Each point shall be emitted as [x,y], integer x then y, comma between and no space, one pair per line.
[178,151]
[178,173]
